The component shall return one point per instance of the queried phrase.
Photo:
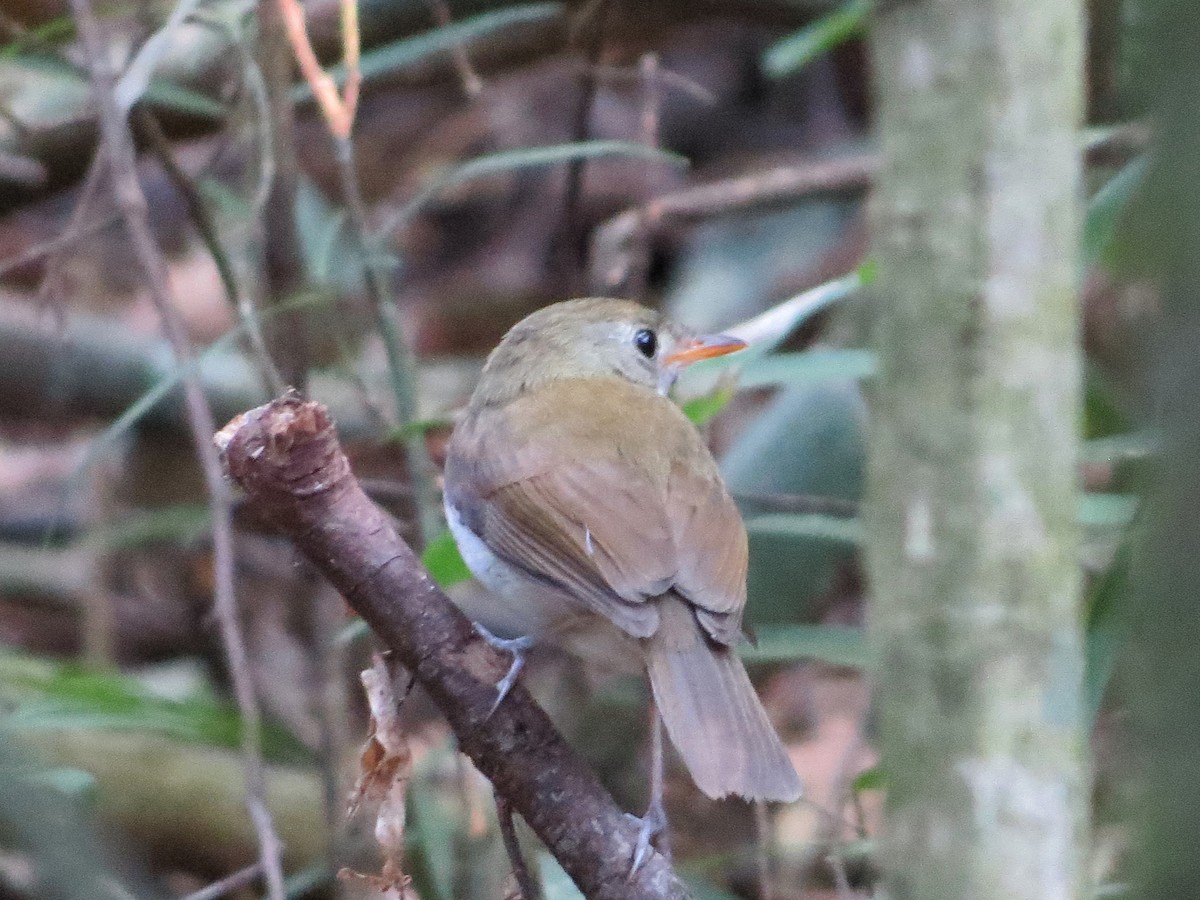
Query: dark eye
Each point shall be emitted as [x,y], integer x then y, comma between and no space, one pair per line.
[647,342]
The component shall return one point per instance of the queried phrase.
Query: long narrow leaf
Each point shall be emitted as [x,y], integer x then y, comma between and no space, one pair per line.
[798,50]
[413,50]
[809,526]
[136,78]
[809,367]
[834,644]
[528,157]
[1106,208]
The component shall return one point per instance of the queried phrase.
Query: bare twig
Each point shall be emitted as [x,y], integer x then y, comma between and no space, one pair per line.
[666,77]
[74,230]
[525,881]
[338,113]
[131,201]
[270,82]
[230,883]
[471,82]
[337,109]
[197,210]
[64,241]
[762,850]
[286,458]
[620,247]
[570,252]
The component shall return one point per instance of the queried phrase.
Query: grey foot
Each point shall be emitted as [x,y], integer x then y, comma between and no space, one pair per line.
[650,826]
[517,648]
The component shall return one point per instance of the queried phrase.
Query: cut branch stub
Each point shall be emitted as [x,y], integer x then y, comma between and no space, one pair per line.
[286,457]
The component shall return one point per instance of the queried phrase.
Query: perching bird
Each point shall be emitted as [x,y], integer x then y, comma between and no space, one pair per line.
[589,505]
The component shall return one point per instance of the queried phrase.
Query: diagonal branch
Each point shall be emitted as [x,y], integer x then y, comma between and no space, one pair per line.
[131,201]
[286,457]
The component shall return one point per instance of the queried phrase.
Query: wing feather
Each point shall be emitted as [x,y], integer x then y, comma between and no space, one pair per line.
[611,533]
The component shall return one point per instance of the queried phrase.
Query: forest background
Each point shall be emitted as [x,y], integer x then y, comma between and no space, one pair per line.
[204,203]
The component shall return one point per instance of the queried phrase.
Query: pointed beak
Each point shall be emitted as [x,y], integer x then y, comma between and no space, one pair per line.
[705,347]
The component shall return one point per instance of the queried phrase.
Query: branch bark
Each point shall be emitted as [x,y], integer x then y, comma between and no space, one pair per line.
[285,455]
[971,553]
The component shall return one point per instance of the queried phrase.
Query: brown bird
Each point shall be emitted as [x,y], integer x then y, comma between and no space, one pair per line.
[589,505]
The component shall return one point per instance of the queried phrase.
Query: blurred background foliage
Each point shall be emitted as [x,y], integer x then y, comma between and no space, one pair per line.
[502,151]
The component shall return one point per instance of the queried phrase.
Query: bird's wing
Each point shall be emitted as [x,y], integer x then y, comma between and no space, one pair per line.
[612,533]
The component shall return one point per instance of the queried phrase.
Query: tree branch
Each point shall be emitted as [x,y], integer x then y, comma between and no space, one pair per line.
[285,455]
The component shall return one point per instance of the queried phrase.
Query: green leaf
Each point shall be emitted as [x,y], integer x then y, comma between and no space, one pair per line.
[352,631]
[1103,627]
[402,433]
[444,562]
[1106,208]
[872,779]
[799,49]
[868,271]
[46,695]
[701,410]
[556,884]
[59,30]
[177,98]
[527,157]
[809,526]
[834,644]
[413,50]
[808,367]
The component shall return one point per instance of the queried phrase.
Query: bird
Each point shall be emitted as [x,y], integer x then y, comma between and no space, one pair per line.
[590,507]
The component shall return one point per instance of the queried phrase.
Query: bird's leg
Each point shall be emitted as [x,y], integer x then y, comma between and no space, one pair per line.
[517,647]
[653,825]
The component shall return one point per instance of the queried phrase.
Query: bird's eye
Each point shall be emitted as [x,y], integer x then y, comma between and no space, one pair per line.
[647,342]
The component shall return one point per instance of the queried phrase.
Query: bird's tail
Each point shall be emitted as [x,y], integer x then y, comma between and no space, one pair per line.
[712,714]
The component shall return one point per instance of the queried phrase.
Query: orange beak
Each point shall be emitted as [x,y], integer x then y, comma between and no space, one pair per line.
[705,347]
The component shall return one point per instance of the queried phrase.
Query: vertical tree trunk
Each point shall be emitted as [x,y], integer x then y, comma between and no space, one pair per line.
[972,540]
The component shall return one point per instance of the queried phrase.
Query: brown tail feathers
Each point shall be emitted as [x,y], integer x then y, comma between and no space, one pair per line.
[712,714]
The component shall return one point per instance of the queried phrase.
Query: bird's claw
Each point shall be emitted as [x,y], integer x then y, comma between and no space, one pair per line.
[650,826]
[517,648]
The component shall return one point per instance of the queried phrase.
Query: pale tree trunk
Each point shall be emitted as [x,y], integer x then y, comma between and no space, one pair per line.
[972,488]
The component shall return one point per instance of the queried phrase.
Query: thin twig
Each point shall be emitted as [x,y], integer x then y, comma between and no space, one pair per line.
[508,832]
[197,210]
[230,883]
[131,201]
[401,367]
[648,68]
[275,197]
[329,704]
[57,244]
[74,231]
[338,113]
[471,82]
[571,251]
[666,77]
[762,849]
[338,110]
[620,247]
